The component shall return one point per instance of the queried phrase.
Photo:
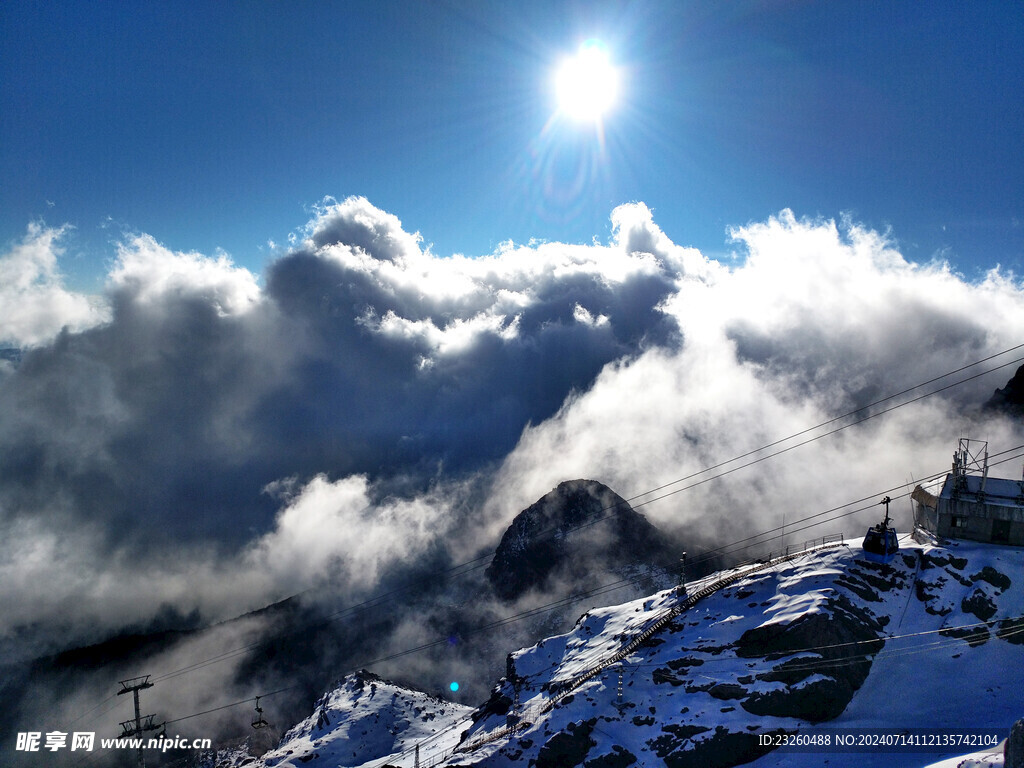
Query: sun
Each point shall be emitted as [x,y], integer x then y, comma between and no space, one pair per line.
[587,85]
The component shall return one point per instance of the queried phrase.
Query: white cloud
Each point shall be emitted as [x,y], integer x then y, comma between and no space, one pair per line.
[148,272]
[34,304]
[582,315]
[330,534]
[333,532]
[447,302]
[136,447]
[818,320]
[634,232]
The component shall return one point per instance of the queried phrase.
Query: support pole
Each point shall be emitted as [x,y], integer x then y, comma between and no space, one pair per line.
[133,686]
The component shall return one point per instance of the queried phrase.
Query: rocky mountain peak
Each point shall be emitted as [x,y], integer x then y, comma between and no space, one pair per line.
[578,528]
[1009,399]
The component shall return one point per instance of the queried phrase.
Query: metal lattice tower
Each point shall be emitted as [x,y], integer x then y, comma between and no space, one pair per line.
[971,457]
[141,724]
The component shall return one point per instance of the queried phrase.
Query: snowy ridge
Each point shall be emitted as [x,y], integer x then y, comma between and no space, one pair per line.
[702,589]
[716,584]
[787,649]
[365,721]
[805,645]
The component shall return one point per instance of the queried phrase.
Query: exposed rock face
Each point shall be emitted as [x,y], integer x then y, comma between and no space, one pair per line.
[1009,399]
[941,572]
[567,748]
[816,691]
[723,748]
[545,541]
[1013,752]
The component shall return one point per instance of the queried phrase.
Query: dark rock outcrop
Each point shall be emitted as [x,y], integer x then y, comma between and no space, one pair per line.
[580,527]
[1013,751]
[989,574]
[979,604]
[724,748]
[568,748]
[1009,399]
[845,636]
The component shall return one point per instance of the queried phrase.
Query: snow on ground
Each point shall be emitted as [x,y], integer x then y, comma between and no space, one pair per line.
[927,680]
[696,684]
[781,651]
[974,760]
[367,721]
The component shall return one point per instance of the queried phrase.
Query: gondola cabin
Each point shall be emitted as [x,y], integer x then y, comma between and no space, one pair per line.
[880,543]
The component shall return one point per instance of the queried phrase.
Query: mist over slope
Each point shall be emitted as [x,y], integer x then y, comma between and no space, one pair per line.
[437,624]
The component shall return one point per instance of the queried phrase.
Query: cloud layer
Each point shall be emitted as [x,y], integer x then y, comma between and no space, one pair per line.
[206,439]
[36,305]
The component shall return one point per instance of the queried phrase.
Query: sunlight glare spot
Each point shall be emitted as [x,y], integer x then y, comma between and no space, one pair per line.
[587,84]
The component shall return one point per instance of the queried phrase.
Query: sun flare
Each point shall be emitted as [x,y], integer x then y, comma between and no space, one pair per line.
[587,84]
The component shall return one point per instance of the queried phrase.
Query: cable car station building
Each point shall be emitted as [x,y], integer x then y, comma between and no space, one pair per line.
[972,505]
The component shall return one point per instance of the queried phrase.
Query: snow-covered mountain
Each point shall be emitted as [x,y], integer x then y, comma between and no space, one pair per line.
[363,719]
[821,642]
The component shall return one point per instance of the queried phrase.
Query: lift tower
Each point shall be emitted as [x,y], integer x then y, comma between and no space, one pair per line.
[141,724]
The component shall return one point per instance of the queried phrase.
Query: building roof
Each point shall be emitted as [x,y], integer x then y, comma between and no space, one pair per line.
[998,491]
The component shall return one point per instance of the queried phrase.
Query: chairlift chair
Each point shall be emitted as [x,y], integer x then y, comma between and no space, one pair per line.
[259,722]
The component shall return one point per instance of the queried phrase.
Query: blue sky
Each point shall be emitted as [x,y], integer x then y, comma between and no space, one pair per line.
[220,125]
